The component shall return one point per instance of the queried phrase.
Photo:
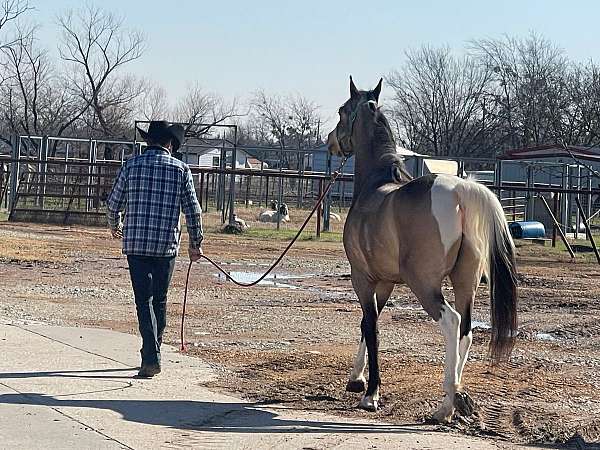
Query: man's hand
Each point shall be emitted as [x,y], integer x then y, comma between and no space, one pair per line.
[195,253]
[117,234]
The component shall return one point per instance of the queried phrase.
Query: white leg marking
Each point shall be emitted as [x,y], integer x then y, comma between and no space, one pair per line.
[450,324]
[463,349]
[370,403]
[445,209]
[360,362]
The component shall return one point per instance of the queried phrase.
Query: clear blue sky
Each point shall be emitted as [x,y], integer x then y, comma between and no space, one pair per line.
[233,47]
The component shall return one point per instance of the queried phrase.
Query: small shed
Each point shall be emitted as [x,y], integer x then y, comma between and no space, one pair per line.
[553,166]
[211,157]
[550,164]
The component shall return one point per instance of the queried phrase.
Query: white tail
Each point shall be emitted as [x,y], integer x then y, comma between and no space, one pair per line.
[485,226]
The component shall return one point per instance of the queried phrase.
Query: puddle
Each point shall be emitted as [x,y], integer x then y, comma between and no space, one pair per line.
[480,324]
[274,280]
[206,263]
[285,281]
[539,336]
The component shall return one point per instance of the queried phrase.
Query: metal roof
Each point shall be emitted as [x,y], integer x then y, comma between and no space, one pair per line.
[552,151]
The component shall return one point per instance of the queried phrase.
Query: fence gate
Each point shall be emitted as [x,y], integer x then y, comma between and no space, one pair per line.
[64,180]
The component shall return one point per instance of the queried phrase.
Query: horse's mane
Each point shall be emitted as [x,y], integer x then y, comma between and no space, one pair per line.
[389,168]
[384,136]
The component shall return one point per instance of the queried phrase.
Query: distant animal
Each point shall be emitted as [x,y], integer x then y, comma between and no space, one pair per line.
[334,216]
[418,232]
[275,214]
[240,222]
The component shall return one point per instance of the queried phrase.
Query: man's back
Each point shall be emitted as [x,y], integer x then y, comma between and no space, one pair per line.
[153,188]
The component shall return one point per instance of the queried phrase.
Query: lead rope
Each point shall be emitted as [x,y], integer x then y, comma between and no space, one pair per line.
[334,177]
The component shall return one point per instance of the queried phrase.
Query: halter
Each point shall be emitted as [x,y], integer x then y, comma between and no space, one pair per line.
[353,116]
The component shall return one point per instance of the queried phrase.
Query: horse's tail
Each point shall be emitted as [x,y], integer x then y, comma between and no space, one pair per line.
[486,227]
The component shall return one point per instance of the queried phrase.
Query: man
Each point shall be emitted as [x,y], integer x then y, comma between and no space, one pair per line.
[152,189]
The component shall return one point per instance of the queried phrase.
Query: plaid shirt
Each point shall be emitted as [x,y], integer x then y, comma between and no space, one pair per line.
[152,189]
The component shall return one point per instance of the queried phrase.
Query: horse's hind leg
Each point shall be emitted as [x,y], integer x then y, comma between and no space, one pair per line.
[430,295]
[465,277]
[450,324]
[357,381]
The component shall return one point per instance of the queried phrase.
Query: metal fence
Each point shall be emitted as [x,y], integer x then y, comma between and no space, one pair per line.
[67,180]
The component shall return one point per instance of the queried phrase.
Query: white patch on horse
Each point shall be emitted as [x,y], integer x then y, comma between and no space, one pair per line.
[370,402]
[450,324]
[360,362]
[446,211]
[463,350]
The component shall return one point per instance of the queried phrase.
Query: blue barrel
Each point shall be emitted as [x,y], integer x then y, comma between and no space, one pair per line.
[527,230]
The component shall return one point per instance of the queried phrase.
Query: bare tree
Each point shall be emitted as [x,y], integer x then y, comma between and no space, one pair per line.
[272,111]
[154,103]
[304,120]
[529,84]
[441,104]
[35,100]
[576,120]
[284,121]
[10,10]
[202,110]
[27,72]
[97,45]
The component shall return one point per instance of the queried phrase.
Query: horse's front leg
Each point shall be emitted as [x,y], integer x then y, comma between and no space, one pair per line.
[365,290]
[357,381]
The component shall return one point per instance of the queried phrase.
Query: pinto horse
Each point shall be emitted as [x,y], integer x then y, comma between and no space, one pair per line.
[418,232]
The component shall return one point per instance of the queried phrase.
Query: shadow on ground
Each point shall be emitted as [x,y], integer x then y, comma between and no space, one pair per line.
[204,416]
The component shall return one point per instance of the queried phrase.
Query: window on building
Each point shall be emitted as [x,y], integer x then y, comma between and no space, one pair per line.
[215,161]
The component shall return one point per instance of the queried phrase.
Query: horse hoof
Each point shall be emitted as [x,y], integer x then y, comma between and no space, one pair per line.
[464,404]
[445,412]
[368,404]
[442,416]
[356,386]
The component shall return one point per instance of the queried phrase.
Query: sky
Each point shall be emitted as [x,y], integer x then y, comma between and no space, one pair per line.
[234,47]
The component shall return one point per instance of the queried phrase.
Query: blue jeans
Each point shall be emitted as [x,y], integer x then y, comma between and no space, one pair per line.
[150,278]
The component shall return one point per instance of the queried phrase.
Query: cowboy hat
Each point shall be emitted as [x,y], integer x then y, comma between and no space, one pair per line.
[160,129]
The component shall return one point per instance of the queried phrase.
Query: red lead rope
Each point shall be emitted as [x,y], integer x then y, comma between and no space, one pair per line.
[334,177]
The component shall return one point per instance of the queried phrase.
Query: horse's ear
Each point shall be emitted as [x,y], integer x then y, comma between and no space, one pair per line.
[377,90]
[353,91]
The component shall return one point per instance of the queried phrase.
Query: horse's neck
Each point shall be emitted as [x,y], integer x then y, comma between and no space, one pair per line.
[367,165]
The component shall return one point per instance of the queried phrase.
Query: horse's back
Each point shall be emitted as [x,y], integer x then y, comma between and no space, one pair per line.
[406,226]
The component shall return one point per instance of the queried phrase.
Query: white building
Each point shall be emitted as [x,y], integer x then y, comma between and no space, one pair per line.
[211,157]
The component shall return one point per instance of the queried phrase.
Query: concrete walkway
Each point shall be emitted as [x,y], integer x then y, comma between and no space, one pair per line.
[72,388]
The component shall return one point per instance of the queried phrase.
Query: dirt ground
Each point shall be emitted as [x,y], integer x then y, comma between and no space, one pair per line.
[292,341]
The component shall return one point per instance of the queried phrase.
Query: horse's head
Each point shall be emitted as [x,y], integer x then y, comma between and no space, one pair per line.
[359,109]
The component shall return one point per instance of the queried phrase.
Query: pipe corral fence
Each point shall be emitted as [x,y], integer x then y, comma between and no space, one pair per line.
[67,180]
